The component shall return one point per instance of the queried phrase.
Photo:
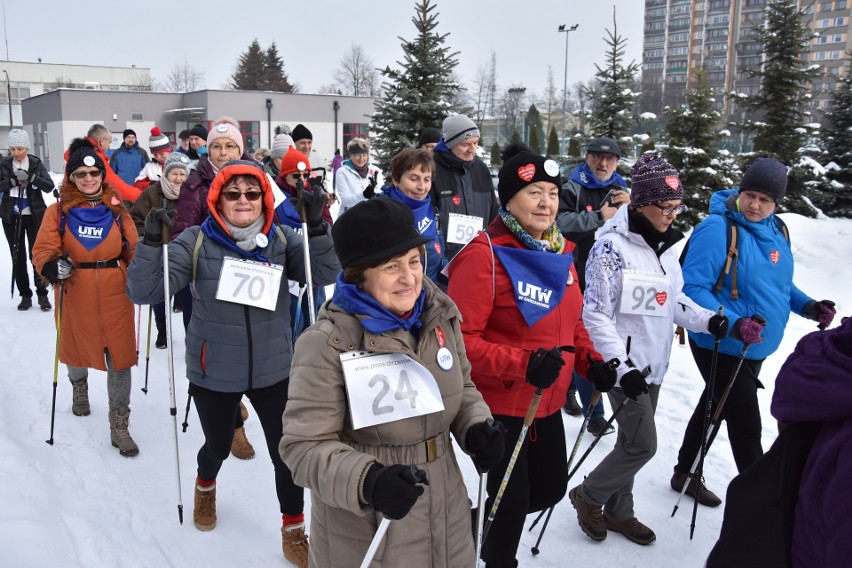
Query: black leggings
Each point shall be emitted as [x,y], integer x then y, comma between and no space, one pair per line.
[741,412]
[26,238]
[539,479]
[217,412]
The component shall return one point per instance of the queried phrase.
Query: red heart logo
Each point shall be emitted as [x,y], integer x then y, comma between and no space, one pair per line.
[673,182]
[527,172]
[437,247]
[661,298]
[457,200]
[774,256]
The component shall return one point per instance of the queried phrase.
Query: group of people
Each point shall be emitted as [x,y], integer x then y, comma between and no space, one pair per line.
[545,284]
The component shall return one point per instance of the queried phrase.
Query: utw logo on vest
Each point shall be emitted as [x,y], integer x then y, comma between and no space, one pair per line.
[90,232]
[90,225]
[538,279]
[423,224]
[534,294]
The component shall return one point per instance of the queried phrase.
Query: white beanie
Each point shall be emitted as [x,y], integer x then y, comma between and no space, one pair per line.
[18,139]
[280,144]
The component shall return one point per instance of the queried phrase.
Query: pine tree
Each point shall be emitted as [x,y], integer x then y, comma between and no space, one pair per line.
[418,94]
[250,69]
[534,144]
[274,78]
[552,143]
[574,147]
[536,128]
[496,160]
[835,196]
[613,100]
[516,137]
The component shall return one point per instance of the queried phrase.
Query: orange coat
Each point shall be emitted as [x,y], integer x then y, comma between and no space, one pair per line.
[125,191]
[96,312]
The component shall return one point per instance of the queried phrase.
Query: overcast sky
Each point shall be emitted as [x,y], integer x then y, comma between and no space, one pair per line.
[313,35]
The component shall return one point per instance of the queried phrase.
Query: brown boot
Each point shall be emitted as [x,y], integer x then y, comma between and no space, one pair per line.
[705,496]
[294,542]
[240,446]
[243,411]
[80,398]
[119,420]
[633,530]
[589,516]
[204,511]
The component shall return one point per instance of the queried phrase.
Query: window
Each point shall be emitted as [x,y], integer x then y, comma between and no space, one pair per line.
[655,39]
[718,33]
[840,21]
[716,63]
[825,7]
[683,50]
[680,23]
[680,36]
[717,46]
[698,35]
[655,26]
[820,56]
[823,23]
[680,78]
[720,4]
[840,5]
[720,19]
[656,52]
[716,76]
[652,65]
[655,13]
[353,130]
[251,135]
[681,9]
[750,3]
[830,86]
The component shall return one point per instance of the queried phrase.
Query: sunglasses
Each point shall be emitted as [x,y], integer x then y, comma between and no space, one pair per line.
[303,175]
[82,175]
[235,195]
[676,209]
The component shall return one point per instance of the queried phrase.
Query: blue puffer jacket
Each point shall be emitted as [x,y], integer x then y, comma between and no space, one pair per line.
[128,162]
[764,275]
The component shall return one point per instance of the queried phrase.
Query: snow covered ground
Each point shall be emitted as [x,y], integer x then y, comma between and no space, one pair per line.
[79,504]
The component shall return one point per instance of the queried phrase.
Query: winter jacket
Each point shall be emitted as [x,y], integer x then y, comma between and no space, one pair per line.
[38,181]
[128,162]
[126,191]
[815,385]
[192,202]
[499,341]
[151,198]
[329,457]
[764,275]
[617,250]
[580,216]
[464,188]
[350,186]
[150,172]
[96,312]
[231,347]
[290,193]
[435,247]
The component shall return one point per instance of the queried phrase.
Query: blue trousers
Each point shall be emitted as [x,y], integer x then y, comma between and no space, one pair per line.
[585,390]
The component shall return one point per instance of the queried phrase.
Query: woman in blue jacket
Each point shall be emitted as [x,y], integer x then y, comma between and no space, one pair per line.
[761,282]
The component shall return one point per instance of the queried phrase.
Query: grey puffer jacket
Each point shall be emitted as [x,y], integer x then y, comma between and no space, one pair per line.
[231,347]
[327,456]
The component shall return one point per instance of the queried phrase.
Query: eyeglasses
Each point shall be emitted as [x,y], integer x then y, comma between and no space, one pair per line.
[82,175]
[603,157]
[669,209]
[235,195]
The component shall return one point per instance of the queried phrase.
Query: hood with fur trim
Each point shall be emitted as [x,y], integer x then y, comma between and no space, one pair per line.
[241,167]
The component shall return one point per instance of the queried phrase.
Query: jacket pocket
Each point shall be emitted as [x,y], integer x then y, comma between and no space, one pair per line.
[204,357]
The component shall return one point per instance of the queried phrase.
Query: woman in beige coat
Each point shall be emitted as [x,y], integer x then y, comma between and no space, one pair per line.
[377,386]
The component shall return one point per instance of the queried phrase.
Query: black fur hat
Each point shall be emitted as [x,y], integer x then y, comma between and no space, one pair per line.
[81,153]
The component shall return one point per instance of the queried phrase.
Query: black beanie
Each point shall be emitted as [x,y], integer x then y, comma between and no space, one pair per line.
[128,132]
[301,132]
[521,167]
[374,230]
[184,135]
[82,153]
[766,175]
[198,130]
[429,135]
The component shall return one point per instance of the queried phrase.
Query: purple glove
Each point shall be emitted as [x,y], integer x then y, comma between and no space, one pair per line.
[822,312]
[748,330]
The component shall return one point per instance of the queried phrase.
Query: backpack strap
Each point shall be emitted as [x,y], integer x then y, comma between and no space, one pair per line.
[730,261]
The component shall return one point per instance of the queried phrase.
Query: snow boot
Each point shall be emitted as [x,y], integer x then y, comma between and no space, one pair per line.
[294,543]
[204,510]
[44,304]
[243,411]
[598,425]
[80,398]
[705,496]
[119,420]
[161,342]
[589,516]
[240,446]
[633,530]
[571,406]
[26,303]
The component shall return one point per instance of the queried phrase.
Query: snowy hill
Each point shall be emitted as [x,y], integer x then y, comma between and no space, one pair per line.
[79,504]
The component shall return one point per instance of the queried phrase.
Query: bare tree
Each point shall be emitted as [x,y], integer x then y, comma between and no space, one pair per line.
[356,74]
[511,103]
[182,78]
[479,93]
[549,100]
[59,83]
[142,82]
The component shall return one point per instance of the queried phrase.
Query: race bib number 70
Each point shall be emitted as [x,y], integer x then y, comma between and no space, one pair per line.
[250,283]
[387,387]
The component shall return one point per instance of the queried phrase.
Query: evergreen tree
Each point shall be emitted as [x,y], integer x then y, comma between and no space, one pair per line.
[613,100]
[516,137]
[496,160]
[536,128]
[552,143]
[418,94]
[274,78]
[574,147]
[835,195]
[250,69]
[534,144]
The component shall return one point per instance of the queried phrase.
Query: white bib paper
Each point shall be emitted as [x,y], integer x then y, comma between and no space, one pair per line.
[387,387]
[462,228]
[250,283]
[645,294]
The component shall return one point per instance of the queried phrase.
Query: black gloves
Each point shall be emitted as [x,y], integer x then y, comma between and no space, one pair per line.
[603,374]
[154,225]
[57,270]
[822,311]
[718,326]
[485,442]
[748,329]
[544,367]
[313,203]
[633,384]
[370,190]
[393,490]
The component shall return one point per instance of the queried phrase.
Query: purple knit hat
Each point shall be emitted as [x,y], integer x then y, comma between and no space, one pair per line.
[653,180]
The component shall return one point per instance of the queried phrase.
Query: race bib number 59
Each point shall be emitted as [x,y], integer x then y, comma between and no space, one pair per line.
[462,228]
[387,387]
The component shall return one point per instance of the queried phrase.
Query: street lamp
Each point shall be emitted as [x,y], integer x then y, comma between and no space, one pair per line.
[336,107]
[567,30]
[519,92]
[269,122]
[9,97]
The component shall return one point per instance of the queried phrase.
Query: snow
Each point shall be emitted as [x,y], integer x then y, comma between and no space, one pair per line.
[807,162]
[79,504]
[648,116]
[725,132]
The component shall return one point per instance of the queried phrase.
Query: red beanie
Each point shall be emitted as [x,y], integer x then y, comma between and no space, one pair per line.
[290,162]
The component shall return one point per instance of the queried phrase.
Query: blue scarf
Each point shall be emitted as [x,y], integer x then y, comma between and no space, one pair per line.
[379,319]
[584,176]
[212,230]
[424,214]
[90,225]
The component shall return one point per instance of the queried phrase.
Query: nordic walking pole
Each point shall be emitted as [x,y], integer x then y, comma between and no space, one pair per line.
[186,415]
[528,419]
[480,513]
[138,329]
[306,249]
[16,249]
[56,359]
[166,234]
[377,540]
[148,349]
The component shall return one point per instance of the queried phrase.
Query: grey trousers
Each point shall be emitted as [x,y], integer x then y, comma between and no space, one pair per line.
[610,484]
[118,382]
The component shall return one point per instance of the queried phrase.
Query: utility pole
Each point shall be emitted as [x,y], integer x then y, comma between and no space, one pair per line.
[567,30]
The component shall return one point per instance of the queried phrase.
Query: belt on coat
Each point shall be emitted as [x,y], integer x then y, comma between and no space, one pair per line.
[431,449]
[111,263]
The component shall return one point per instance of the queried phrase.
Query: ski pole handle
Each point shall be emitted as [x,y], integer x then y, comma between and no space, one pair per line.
[533,408]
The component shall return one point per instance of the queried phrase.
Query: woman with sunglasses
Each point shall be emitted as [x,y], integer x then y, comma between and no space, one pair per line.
[85,243]
[238,261]
[632,301]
